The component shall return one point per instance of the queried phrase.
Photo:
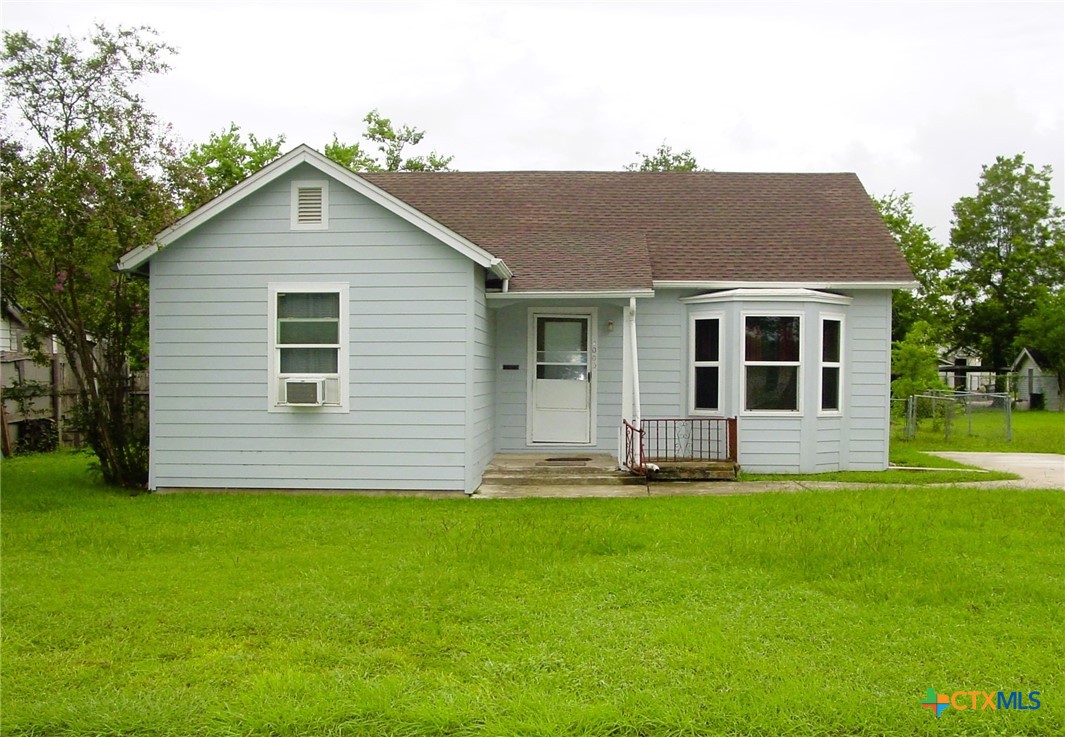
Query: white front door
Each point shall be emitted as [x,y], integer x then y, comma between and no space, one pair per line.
[563,358]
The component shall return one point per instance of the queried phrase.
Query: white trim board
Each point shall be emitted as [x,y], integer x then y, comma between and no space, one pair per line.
[581,294]
[769,295]
[862,285]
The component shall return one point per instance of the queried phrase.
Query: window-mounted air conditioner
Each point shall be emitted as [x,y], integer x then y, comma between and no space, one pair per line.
[304,392]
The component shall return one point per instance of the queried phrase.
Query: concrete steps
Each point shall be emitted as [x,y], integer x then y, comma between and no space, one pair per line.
[572,475]
[696,471]
[570,469]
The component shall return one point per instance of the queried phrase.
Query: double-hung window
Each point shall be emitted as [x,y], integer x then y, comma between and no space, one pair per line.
[308,345]
[705,376]
[772,357]
[831,365]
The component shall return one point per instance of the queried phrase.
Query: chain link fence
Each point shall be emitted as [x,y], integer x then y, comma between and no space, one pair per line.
[947,415]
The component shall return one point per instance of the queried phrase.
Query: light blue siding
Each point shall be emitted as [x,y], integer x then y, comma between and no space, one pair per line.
[662,346]
[480,430]
[868,345]
[409,334]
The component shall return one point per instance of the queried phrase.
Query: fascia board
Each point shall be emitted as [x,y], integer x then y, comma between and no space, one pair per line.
[575,294]
[862,285]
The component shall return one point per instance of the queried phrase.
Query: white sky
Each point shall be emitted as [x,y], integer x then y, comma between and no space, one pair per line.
[912,97]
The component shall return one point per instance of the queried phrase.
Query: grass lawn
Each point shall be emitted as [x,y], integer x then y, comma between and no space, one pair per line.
[806,614]
[1033,432]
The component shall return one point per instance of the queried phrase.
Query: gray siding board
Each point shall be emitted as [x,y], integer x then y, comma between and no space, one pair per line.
[310,460]
[407,339]
[661,340]
[420,275]
[197,424]
[226,225]
[259,472]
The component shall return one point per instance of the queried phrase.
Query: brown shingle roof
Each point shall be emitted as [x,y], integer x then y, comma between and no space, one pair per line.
[618,230]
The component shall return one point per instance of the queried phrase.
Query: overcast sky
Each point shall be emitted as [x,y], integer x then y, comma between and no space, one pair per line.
[912,97]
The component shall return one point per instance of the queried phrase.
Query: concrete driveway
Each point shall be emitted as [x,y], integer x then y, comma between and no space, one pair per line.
[1037,470]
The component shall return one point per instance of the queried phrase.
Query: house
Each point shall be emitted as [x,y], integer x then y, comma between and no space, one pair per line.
[1037,386]
[962,370]
[316,328]
[37,397]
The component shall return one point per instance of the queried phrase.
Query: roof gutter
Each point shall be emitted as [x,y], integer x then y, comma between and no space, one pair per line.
[500,269]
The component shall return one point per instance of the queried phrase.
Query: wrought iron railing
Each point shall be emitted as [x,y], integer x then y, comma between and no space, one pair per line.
[696,439]
[690,439]
[633,448]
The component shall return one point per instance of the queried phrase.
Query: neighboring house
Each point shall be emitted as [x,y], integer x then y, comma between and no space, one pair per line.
[34,394]
[315,328]
[962,370]
[1037,386]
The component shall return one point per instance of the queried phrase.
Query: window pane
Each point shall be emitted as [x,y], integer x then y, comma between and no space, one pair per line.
[830,334]
[772,339]
[561,334]
[309,361]
[706,387]
[308,304]
[830,388]
[773,387]
[569,373]
[706,340]
[291,331]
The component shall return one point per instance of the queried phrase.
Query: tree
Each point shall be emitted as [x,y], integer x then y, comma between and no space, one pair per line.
[1044,331]
[664,159]
[225,160]
[927,259]
[915,363]
[88,175]
[1008,241]
[390,143]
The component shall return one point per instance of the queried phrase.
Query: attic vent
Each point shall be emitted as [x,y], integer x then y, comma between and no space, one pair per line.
[310,205]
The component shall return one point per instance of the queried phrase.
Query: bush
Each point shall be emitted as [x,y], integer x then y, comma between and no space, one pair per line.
[37,436]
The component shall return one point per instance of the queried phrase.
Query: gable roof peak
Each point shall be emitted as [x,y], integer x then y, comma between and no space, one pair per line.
[304,154]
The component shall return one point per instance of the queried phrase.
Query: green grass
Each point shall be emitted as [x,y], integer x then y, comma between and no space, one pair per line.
[811,613]
[1033,432]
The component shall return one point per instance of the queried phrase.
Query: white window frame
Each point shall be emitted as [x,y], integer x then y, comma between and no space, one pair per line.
[798,411]
[693,364]
[274,375]
[294,222]
[822,364]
